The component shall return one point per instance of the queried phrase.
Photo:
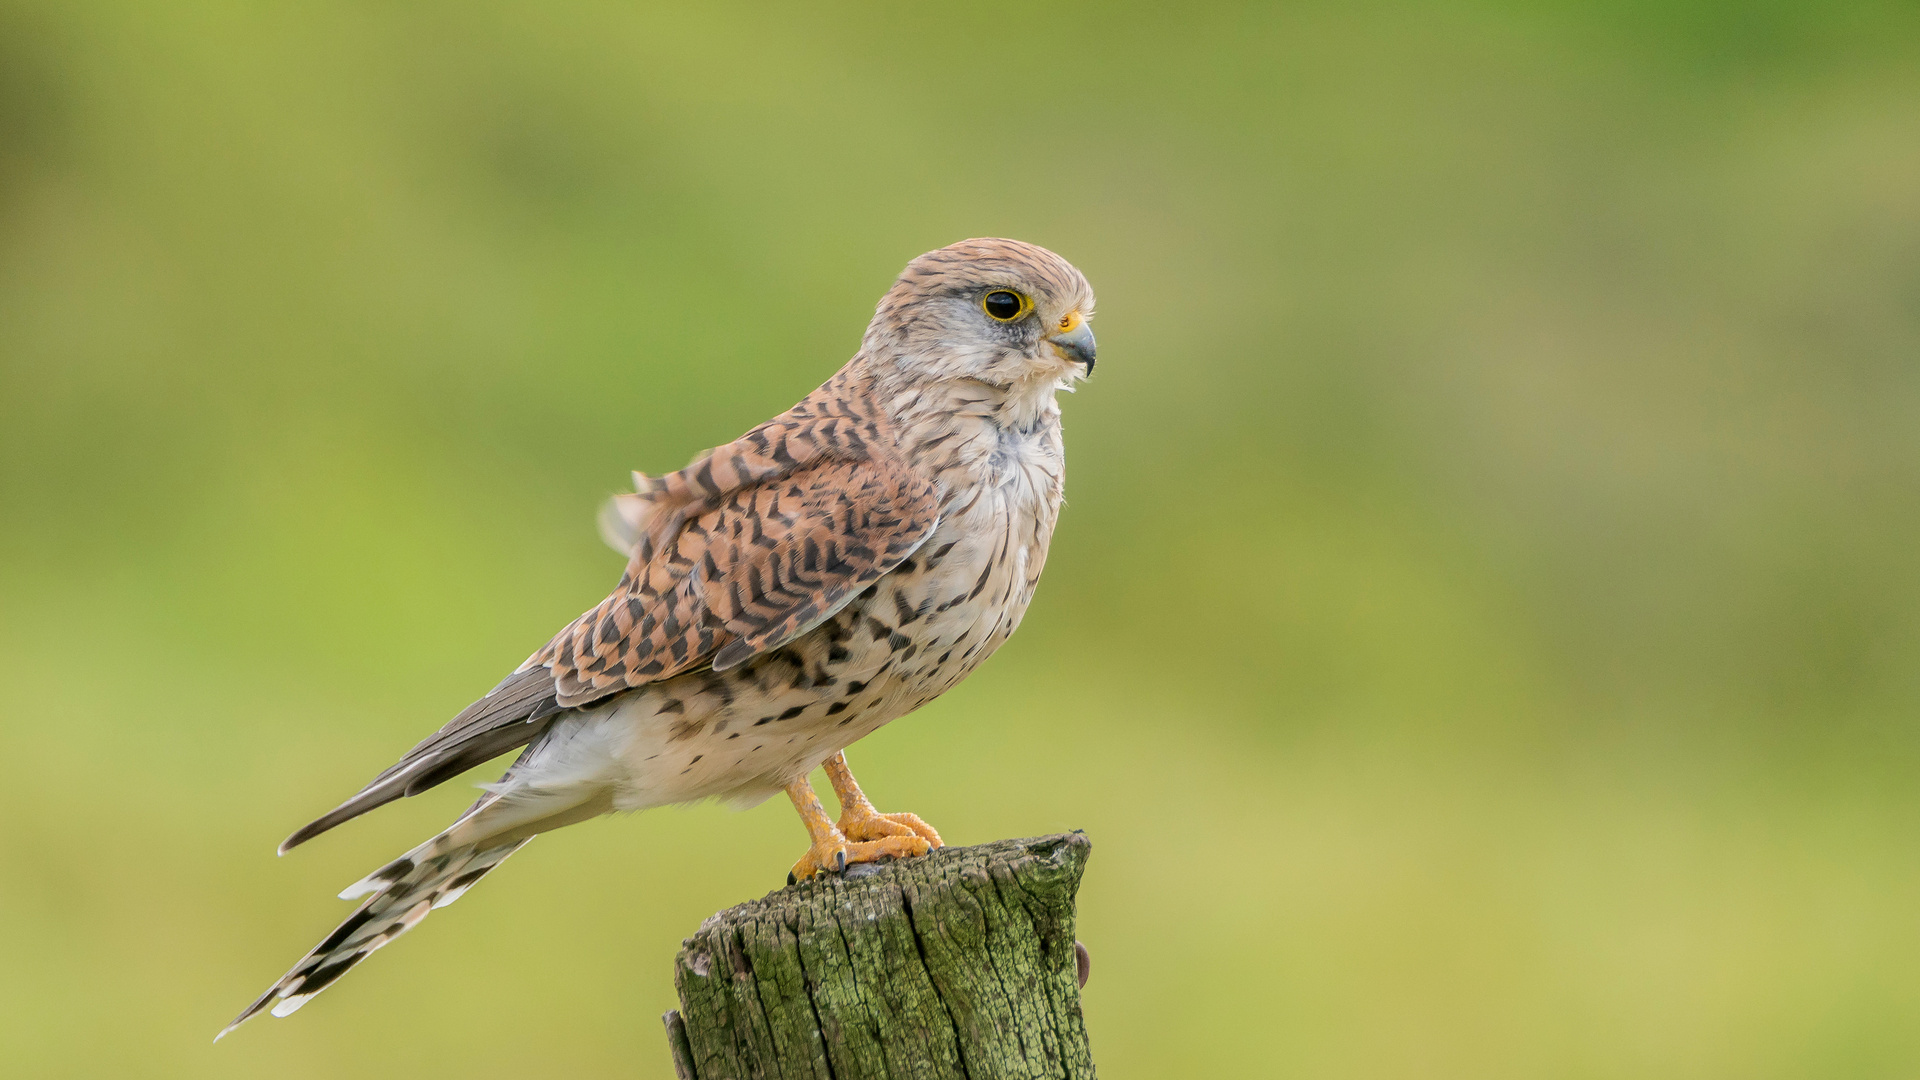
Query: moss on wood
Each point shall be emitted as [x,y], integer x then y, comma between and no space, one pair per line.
[961,964]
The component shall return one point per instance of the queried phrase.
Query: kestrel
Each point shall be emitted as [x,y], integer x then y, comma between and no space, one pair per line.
[785,595]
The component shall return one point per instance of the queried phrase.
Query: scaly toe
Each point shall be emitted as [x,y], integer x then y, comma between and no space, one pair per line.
[891,847]
[835,858]
[920,828]
[884,826]
[823,858]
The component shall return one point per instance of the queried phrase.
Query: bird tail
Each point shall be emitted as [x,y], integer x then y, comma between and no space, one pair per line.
[398,896]
[558,781]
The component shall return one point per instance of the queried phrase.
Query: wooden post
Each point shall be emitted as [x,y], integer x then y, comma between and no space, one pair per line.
[961,964]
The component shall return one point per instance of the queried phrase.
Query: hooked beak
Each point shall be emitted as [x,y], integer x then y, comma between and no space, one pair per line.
[1075,340]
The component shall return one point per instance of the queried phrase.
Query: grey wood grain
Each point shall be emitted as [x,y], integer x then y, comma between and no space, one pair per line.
[961,965]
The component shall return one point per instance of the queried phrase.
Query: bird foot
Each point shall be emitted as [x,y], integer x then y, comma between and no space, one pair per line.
[870,824]
[833,855]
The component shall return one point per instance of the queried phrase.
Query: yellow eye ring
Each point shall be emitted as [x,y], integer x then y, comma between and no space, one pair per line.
[1005,305]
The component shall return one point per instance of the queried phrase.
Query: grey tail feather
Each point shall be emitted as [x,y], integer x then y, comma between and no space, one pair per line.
[404,891]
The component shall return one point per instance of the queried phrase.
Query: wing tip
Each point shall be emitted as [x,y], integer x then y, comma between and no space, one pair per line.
[346,811]
[307,832]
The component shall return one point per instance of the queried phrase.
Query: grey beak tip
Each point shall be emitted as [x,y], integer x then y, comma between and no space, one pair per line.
[1078,344]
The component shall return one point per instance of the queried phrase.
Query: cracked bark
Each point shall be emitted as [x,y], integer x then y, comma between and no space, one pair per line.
[958,965]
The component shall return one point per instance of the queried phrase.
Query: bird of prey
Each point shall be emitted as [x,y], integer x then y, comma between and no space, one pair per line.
[785,595]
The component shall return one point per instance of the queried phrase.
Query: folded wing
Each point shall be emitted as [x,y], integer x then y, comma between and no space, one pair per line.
[719,573]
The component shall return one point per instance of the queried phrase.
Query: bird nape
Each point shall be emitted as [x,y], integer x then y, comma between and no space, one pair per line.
[785,595]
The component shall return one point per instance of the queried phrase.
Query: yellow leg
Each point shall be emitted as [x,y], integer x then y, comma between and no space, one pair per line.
[828,850]
[873,835]
[860,821]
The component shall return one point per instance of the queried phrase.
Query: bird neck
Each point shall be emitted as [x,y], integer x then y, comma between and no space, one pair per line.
[911,397]
[1021,406]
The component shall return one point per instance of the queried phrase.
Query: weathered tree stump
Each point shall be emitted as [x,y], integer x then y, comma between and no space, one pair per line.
[961,964]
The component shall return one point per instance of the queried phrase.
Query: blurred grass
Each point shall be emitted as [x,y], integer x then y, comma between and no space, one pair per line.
[1481,641]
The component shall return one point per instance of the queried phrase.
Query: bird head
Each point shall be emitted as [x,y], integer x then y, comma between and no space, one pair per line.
[994,311]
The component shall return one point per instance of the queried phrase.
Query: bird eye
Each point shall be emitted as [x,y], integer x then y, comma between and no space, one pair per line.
[1005,306]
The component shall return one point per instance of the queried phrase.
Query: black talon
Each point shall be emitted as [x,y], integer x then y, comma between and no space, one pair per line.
[791,880]
[840,861]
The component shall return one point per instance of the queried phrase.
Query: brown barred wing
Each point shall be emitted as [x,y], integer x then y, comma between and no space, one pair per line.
[745,549]
[746,572]
[798,552]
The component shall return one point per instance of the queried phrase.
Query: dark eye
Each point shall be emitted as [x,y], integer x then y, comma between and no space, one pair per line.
[1003,305]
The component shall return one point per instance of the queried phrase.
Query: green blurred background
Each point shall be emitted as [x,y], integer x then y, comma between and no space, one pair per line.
[1481,641]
